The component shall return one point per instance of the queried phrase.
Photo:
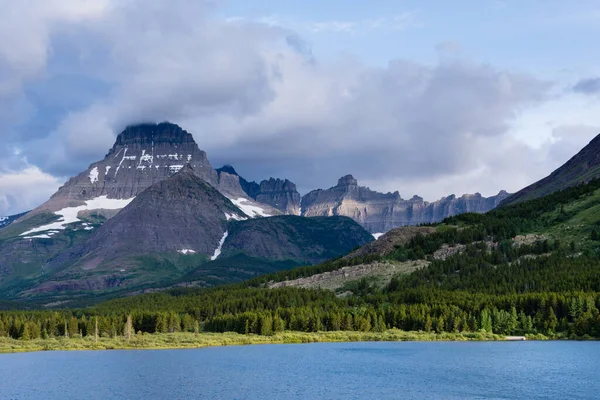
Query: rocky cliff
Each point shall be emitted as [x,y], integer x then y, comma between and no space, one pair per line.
[280,194]
[381,212]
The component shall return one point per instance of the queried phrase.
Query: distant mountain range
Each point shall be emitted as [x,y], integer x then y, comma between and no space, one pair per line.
[379,212]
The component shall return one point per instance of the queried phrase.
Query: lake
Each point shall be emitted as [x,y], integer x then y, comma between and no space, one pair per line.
[406,370]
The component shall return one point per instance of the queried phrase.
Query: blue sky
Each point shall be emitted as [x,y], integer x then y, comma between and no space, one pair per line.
[549,36]
[423,97]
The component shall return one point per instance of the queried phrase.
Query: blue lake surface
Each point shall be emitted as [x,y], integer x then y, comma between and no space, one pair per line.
[407,370]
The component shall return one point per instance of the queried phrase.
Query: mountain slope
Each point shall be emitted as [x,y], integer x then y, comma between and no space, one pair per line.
[581,168]
[305,240]
[380,212]
[264,245]
[174,218]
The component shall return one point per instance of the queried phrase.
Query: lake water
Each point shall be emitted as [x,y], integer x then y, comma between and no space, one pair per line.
[408,370]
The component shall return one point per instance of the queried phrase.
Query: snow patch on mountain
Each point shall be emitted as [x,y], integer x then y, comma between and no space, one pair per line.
[69,215]
[186,251]
[248,208]
[378,235]
[175,168]
[235,217]
[94,175]
[218,249]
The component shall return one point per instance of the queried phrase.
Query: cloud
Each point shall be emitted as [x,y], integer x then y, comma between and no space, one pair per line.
[396,22]
[254,96]
[587,86]
[25,189]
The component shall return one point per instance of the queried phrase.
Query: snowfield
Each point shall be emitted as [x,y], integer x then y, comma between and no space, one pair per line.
[248,208]
[69,215]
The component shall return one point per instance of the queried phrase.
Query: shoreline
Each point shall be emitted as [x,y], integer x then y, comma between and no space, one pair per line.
[166,341]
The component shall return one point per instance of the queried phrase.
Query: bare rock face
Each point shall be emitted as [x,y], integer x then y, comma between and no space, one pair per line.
[381,212]
[280,194]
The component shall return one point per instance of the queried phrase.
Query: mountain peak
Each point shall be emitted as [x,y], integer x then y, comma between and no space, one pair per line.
[347,180]
[153,133]
[228,169]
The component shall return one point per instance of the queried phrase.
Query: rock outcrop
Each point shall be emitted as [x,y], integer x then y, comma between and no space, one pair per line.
[280,194]
[381,212]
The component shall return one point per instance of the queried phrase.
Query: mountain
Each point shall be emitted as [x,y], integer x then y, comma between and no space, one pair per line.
[177,226]
[171,225]
[278,193]
[141,156]
[5,221]
[381,212]
[581,168]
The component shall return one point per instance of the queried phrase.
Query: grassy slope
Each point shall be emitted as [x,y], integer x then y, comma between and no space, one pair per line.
[190,340]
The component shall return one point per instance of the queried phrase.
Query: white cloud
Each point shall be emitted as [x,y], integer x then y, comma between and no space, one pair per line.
[396,22]
[25,189]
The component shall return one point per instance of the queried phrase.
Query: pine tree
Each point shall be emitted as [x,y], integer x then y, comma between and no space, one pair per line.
[128,328]
[552,320]
[428,323]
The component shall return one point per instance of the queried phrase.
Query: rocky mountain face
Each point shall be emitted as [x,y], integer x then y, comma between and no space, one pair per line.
[381,212]
[581,168]
[277,193]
